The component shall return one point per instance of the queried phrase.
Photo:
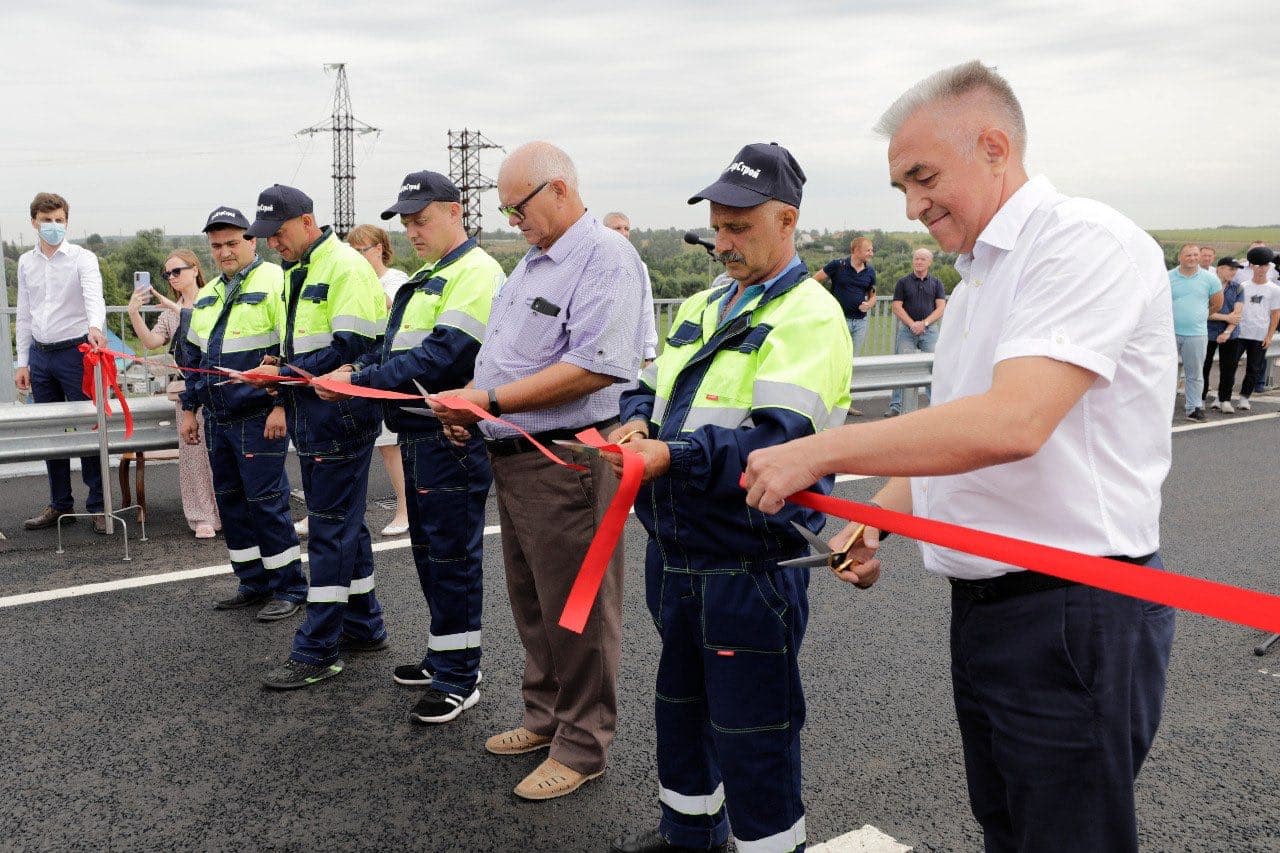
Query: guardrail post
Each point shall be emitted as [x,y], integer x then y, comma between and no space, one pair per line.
[104,455]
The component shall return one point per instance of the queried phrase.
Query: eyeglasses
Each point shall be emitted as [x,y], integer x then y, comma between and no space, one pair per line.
[363,249]
[175,272]
[516,210]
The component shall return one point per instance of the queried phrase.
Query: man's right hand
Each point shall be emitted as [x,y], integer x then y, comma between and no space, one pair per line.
[629,432]
[863,569]
[188,429]
[22,378]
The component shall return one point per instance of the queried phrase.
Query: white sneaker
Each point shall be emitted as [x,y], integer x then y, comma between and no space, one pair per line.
[1225,408]
[1212,401]
[1243,404]
[1217,406]
[300,528]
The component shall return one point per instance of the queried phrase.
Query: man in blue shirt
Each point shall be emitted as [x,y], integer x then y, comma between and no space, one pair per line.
[853,284]
[1224,335]
[1196,295]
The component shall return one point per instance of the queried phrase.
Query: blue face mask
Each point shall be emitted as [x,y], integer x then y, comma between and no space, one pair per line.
[53,233]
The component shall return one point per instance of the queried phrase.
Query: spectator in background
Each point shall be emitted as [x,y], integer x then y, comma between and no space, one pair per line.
[1206,260]
[1261,298]
[60,306]
[853,284]
[374,245]
[1196,294]
[918,302]
[618,221]
[1246,274]
[1224,336]
[182,272]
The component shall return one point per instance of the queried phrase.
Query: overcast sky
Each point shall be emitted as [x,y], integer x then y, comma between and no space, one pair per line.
[148,114]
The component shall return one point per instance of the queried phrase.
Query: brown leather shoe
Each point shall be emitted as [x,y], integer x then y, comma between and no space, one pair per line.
[516,742]
[48,518]
[100,524]
[551,779]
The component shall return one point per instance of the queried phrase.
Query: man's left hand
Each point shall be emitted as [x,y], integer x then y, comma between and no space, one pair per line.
[97,338]
[266,368]
[339,375]
[460,417]
[775,473]
[656,455]
[1266,344]
[275,427]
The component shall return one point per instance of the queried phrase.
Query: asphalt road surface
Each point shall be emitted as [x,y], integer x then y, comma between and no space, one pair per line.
[134,719]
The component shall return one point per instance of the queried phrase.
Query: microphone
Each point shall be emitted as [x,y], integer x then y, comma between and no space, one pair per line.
[694,240]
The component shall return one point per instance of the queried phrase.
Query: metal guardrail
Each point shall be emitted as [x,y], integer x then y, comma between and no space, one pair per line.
[38,432]
[888,372]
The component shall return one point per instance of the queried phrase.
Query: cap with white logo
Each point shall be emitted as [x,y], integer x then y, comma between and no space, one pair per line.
[419,189]
[225,217]
[278,204]
[758,173]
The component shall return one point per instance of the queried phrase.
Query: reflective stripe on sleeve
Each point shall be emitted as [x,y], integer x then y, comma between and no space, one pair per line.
[284,558]
[649,376]
[659,409]
[198,340]
[728,418]
[693,804]
[838,416]
[408,339]
[359,325]
[250,342]
[463,322]
[309,343]
[244,555]
[362,586]
[453,642]
[328,595]
[781,842]
[786,395]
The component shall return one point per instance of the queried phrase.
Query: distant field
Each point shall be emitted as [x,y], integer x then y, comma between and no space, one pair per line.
[1223,239]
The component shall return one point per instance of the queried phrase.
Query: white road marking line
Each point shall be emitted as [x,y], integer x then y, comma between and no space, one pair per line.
[1235,420]
[211,571]
[869,839]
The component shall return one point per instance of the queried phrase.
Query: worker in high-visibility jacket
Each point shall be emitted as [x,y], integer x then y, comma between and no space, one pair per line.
[761,358]
[334,313]
[437,322]
[234,324]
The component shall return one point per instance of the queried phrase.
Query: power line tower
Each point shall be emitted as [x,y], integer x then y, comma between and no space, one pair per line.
[464,170]
[344,127]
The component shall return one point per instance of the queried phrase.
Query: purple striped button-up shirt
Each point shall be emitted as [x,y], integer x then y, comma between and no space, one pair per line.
[578,302]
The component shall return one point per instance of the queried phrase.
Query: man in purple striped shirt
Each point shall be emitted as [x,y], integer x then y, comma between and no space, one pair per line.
[563,340]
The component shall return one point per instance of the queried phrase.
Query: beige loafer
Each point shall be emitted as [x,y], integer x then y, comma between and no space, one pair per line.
[551,779]
[516,741]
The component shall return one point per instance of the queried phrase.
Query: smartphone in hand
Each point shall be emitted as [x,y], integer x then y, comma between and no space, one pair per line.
[141,281]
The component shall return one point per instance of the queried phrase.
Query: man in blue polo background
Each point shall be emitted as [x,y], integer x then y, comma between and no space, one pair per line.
[334,312]
[437,322]
[761,358]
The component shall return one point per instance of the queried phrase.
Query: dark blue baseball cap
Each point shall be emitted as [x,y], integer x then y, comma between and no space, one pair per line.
[758,173]
[276,205]
[419,189]
[225,217]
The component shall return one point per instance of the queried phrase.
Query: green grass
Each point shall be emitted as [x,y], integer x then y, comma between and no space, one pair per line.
[1224,240]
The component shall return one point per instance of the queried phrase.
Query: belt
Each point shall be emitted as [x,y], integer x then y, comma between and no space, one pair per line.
[1021,583]
[60,345]
[519,444]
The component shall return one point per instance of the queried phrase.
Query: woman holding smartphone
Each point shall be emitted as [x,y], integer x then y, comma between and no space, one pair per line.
[182,271]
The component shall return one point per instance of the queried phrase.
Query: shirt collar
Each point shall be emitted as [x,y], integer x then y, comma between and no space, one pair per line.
[760,288]
[1003,229]
[573,237]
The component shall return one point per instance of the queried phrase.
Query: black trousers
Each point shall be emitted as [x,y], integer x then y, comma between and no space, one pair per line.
[1255,367]
[1228,361]
[1058,694]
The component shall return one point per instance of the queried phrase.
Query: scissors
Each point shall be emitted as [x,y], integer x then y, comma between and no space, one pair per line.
[429,413]
[837,561]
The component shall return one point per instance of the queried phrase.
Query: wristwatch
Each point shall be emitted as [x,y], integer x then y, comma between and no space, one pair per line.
[494,408]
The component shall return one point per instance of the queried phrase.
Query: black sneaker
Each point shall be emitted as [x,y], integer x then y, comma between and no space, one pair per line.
[294,674]
[436,706]
[1197,415]
[347,643]
[413,675]
[241,599]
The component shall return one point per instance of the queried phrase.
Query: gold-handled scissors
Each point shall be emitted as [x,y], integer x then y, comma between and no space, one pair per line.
[837,561]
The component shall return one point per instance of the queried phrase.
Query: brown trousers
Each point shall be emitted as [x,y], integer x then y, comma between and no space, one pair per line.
[549,515]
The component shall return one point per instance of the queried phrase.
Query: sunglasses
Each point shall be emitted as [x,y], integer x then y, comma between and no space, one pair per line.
[516,210]
[175,272]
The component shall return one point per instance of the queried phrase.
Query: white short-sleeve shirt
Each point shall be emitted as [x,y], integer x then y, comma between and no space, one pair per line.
[1072,280]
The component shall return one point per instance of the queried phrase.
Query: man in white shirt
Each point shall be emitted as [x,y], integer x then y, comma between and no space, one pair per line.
[1053,390]
[1247,273]
[60,306]
[618,221]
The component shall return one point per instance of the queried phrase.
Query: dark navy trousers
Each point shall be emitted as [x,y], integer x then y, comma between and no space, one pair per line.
[729,705]
[1058,694]
[341,599]
[56,377]
[252,491]
[446,487]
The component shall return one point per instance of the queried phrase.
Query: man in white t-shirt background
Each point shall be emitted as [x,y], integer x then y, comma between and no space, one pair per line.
[1261,301]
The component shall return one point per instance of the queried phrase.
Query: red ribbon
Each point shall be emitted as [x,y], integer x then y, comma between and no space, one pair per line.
[1233,604]
[104,358]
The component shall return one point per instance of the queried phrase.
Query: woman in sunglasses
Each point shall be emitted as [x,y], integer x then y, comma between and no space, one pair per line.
[182,272]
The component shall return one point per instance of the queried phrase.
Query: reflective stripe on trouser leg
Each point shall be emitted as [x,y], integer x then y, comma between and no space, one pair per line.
[689,786]
[446,498]
[266,493]
[341,556]
[238,524]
